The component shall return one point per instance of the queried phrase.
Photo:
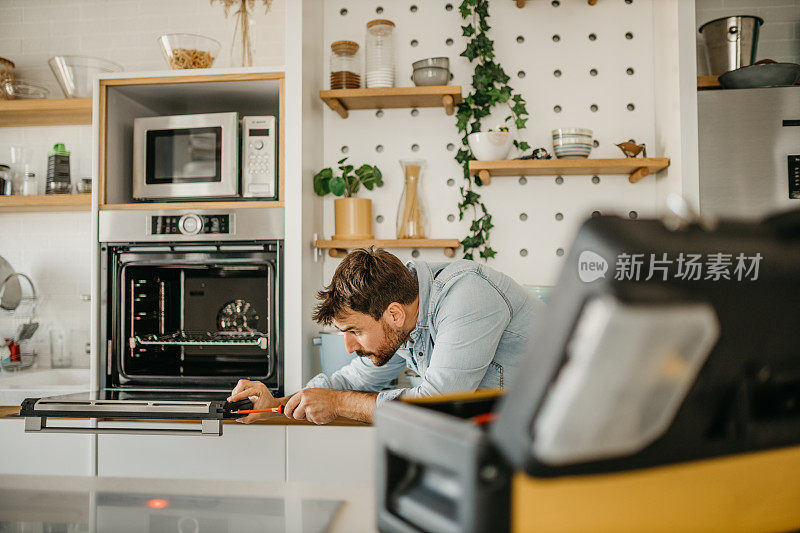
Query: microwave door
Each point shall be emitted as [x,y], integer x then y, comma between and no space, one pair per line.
[186,156]
[206,408]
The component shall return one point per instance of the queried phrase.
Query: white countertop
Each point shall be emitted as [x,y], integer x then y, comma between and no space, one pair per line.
[127,504]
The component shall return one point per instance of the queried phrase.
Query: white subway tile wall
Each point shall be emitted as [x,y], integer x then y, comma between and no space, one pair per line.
[54,249]
[780,34]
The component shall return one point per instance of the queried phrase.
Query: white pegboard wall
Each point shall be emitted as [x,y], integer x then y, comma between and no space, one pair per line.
[603,54]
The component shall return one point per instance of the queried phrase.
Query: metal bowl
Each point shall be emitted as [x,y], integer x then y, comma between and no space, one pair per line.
[761,75]
[440,62]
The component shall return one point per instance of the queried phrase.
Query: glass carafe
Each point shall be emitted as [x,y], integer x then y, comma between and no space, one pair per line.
[411,221]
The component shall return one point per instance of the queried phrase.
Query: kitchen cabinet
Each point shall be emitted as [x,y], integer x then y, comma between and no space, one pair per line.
[44,454]
[252,453]
[327,454]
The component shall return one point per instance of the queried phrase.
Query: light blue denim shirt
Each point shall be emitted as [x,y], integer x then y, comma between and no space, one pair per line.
[474,325]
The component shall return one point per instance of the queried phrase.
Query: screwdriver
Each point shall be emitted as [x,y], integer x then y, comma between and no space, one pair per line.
[278,409]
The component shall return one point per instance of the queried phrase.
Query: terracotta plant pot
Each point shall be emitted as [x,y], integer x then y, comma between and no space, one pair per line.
[353,219]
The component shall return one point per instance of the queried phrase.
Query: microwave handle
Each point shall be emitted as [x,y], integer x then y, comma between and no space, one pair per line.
[38,424]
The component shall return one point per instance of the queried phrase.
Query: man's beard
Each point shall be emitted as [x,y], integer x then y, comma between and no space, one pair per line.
[392,342]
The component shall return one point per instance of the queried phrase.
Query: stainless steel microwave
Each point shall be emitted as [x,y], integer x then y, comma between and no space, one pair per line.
[205,156]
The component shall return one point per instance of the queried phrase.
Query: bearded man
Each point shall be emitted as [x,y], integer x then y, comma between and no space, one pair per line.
[461,326]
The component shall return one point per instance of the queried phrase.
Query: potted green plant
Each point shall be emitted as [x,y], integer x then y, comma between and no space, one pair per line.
[353,216]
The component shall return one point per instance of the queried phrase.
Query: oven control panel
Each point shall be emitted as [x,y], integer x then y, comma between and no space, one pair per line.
[190,224]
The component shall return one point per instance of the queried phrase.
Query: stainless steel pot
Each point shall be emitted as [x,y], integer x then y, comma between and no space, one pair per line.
[730,42]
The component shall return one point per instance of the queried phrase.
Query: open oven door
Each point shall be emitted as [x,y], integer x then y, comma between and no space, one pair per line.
[208,408]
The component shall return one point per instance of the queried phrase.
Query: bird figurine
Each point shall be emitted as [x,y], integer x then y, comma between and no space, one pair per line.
[631,149]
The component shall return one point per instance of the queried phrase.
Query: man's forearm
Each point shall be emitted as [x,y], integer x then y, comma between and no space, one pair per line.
[356,405]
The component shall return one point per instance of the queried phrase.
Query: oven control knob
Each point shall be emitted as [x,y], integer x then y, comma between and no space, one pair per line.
[190,224]
[258,145]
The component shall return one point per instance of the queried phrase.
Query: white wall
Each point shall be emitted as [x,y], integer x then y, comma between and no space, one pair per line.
[780,34]
[55,248]
[540,199]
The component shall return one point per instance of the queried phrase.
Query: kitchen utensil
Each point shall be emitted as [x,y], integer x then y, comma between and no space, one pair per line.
[438,62]
[380,53]
[730,42]
[187,50]
[75,74]
[23,90]
[761,74]
[428,76]
[6,181]
[631,149]
[490,145]
[10,289]
[345,65]
[411,220]
[26,331]
[572,143]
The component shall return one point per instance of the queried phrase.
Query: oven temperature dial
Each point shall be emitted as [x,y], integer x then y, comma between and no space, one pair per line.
[190,224]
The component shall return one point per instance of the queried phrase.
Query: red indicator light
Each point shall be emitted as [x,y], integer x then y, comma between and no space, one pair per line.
[157,503]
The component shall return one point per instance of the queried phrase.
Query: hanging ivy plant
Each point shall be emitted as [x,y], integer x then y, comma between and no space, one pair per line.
[489,88]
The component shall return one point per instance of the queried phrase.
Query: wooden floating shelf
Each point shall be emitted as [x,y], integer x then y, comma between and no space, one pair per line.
[148,206]
[45,202]
[635,168]
[712,82]
[521,3]
[338,248]
[48,112]
[344,100]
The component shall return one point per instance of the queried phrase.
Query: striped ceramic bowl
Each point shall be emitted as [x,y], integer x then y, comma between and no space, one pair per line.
[572,143]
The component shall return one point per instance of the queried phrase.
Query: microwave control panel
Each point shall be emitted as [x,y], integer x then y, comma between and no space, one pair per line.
[190,224]
[258,157]
[794,177]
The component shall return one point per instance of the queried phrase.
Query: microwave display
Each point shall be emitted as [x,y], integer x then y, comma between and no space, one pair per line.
[188,155]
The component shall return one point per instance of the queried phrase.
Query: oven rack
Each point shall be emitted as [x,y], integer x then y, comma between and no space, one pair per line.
[204,338]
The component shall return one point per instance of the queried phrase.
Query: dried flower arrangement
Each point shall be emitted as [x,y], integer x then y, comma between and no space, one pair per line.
[242,53]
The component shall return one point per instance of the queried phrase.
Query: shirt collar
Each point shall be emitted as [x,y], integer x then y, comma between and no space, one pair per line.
[424,276]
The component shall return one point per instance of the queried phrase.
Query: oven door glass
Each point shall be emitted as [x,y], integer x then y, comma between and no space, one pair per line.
[194,319]
[185,155]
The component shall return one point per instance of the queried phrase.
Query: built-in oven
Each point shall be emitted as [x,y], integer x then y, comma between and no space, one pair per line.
[190,303]
[204,157]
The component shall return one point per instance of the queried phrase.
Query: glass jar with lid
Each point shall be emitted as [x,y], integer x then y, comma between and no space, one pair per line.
[345,65]
[380,53]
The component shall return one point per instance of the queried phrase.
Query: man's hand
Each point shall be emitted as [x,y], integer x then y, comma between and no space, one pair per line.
[322,406]
[260,396]
[319,406]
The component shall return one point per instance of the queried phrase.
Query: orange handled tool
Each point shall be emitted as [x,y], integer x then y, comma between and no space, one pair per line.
[278,409]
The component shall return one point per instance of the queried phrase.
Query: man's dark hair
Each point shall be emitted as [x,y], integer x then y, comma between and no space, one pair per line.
[366,281]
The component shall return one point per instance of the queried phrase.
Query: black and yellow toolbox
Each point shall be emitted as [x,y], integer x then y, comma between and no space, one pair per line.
[663,399]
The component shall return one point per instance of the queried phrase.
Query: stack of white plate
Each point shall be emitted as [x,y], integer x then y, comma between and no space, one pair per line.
[572,143]
[380,77]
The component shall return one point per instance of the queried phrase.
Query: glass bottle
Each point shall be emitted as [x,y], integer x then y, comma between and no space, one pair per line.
[30,187]
[380,53]
[411,219]
[345,65]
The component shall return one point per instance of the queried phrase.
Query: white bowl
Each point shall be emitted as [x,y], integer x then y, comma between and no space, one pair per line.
[572,143]
[490,145]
